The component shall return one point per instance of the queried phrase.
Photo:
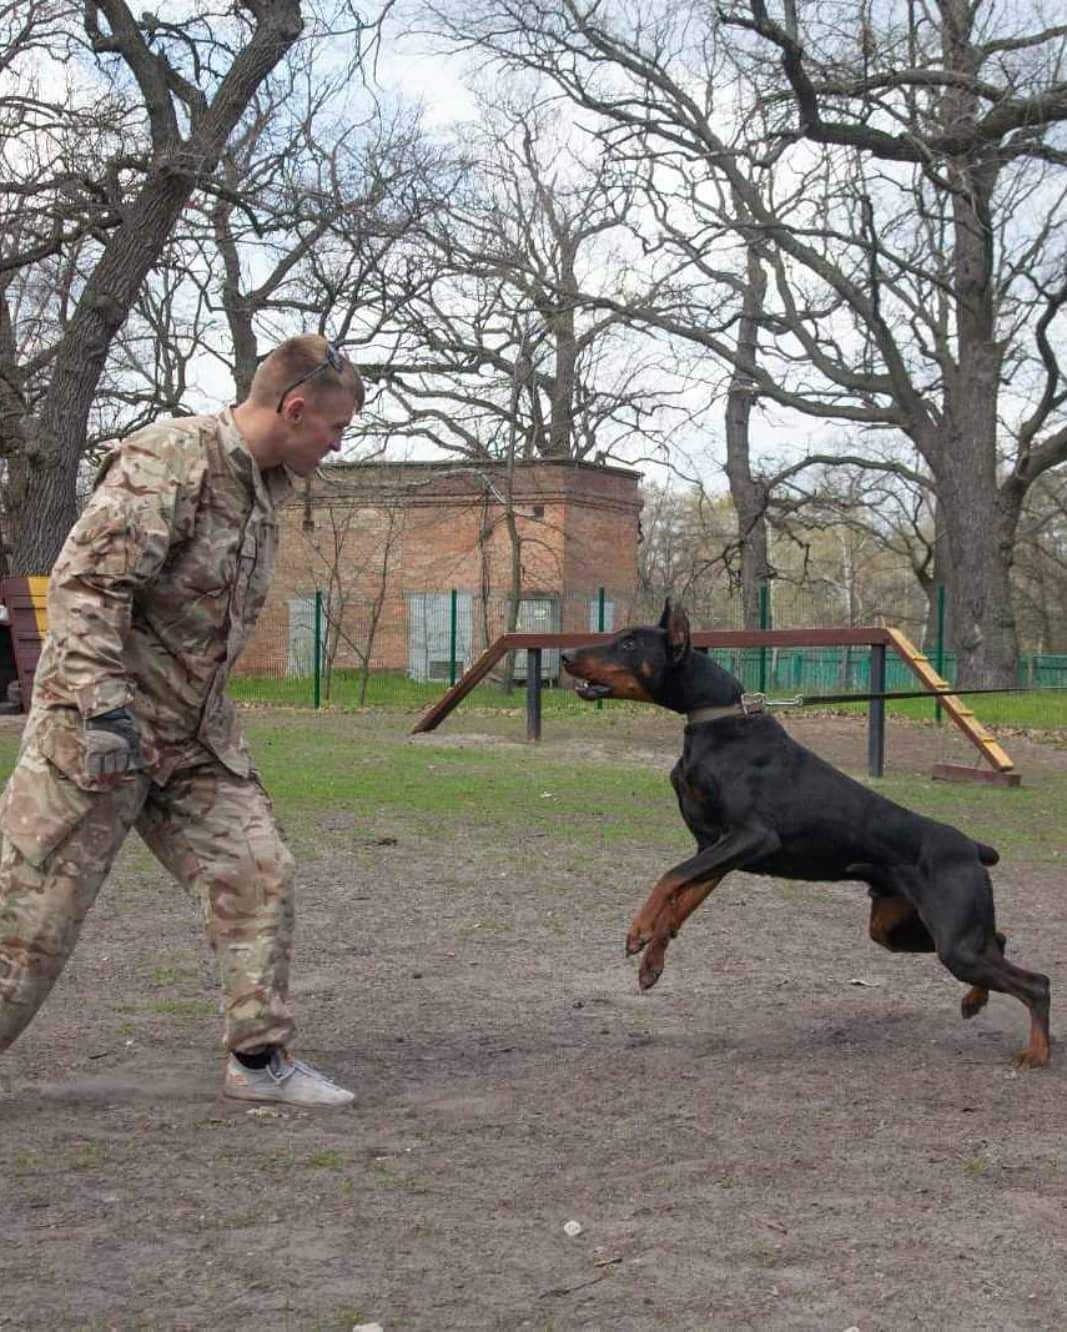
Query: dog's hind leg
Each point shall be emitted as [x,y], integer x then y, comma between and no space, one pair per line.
[733,850]
[988,969]
[976,997]
[668,923]
[956,901]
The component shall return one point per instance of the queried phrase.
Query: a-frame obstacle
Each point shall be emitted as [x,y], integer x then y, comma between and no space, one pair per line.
[1001,771]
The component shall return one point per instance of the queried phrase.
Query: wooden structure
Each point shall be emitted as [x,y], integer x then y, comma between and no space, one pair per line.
[26,600]
[1001,770]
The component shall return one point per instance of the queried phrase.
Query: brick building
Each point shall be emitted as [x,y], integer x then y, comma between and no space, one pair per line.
[387,544]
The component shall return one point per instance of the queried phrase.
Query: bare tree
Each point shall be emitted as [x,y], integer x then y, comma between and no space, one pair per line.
[312,198]
[351,553]
[93,183]
[494,283]
[1040,571]
[901,179]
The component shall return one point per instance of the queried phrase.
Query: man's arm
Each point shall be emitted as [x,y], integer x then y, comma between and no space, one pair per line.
[121,541]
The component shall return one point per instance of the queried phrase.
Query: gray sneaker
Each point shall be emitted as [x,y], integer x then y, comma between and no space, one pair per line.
[284,1079]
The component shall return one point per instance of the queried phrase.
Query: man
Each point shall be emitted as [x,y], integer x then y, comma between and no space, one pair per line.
[152,598]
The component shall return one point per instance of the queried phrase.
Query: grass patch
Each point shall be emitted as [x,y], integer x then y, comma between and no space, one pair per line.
[327,1159]
[515,791]
[320,764]
[87,1156]
[1035,710]
[1044,710]
[391,690]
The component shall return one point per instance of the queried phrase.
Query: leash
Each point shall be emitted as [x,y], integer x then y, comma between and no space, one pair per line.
[809,700]
[750,704]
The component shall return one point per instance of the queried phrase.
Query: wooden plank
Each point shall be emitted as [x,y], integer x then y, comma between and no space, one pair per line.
[868,636]
[38,590]
[26,600]
[719,638]
[430,720]
[961,715]
[957,772]
[739,638]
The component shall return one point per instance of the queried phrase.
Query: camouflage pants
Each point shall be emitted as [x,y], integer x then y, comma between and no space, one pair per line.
[213,830]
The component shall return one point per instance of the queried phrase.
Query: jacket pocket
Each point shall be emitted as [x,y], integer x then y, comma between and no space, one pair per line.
[40,808]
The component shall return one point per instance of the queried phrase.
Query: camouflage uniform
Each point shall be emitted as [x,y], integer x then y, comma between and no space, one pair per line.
[150,602]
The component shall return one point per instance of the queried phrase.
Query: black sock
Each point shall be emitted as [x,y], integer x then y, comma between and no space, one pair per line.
[254,1058]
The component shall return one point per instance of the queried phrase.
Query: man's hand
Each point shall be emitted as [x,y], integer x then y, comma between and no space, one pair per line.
[112,744]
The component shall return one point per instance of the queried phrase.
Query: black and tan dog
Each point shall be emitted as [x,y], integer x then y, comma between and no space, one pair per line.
[756,800]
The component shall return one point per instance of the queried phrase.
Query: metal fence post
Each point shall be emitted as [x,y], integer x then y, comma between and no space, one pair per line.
[939,651]
[764,623]
[452,631]
[318,648]
[533,693]
[876,714]
[600,630]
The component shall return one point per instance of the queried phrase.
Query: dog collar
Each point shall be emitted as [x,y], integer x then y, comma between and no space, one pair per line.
[746,706]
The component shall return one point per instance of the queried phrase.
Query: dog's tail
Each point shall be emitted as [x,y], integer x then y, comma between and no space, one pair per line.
[988,855]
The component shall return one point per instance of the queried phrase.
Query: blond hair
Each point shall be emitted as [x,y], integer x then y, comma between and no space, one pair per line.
[296,358]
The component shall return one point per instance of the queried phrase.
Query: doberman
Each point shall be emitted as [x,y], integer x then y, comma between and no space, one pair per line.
[756,800]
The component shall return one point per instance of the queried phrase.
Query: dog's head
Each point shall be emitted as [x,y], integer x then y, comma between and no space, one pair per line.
[652,664]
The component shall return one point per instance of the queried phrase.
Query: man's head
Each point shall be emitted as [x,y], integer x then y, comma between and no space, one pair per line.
[302,399]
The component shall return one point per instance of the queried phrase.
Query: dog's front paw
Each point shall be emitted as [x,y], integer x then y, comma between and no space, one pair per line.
[638,935]
[1029,1058]
[657,922]
[652,963]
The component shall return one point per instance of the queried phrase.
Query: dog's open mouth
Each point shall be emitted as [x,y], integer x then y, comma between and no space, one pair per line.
[592,691]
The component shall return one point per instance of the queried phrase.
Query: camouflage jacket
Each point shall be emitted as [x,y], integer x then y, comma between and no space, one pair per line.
[155,593]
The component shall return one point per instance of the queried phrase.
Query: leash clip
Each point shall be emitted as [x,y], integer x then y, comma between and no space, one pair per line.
[752,703]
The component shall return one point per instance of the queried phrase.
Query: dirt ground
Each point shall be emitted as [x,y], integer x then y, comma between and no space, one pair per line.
[793,1130]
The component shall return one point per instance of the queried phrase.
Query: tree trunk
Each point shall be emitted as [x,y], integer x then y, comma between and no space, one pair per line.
[978,578]
[748,493]
[930,579]
[42,491]
[41,496]
[237,308]
[561,323]
[980,523]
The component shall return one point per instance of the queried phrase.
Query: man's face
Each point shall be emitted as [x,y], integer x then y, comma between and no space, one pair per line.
[314,427]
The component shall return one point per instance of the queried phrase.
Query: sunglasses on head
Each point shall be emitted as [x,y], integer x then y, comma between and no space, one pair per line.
[334,361]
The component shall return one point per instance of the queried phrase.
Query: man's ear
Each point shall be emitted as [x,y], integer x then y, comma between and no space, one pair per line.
[293,408]
[677,627]
[664,619]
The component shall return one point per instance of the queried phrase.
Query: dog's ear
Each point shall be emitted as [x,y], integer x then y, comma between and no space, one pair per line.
[677,627]
[665,618]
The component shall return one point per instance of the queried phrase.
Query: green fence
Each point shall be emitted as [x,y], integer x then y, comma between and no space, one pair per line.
[405,655]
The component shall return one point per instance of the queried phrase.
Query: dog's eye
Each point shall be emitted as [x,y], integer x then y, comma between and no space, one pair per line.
[627,645]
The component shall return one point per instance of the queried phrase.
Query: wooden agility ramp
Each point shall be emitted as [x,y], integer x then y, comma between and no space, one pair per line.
[1001,770]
